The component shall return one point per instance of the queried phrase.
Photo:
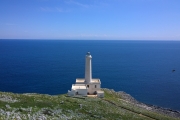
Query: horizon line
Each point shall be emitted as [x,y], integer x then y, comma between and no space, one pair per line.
[87,39]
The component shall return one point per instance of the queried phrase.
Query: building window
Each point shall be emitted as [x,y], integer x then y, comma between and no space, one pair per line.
[95,86]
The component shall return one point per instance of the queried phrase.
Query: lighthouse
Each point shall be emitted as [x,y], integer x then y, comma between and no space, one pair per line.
[88,68]
[87,86]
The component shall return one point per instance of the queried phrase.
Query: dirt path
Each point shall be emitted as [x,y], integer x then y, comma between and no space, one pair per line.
[140,114]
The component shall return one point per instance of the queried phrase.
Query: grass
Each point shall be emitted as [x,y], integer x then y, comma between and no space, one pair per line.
[112,107]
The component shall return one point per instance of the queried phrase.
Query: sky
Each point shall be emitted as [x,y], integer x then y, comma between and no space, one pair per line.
[90,19]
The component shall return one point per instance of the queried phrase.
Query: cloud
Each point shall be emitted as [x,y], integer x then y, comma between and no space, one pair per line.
[78,4]
[68,8]
[59,9]
[52,9]
[46,9]
[10,24]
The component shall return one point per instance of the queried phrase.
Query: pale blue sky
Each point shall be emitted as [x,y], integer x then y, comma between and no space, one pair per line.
[90,19]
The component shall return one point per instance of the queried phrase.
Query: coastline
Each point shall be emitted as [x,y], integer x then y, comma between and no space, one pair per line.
[114,105]
[128,98]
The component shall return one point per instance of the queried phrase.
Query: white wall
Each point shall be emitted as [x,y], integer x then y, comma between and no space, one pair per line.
[82,92]
[71,93]
[100,94]
[92,88]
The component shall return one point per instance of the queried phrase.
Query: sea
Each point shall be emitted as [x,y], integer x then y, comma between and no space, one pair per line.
[147,70]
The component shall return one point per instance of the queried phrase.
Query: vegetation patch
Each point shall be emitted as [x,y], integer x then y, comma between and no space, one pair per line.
[114,106]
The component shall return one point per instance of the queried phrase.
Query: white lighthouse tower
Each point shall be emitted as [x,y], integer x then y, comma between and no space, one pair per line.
[88,68]
[87,86]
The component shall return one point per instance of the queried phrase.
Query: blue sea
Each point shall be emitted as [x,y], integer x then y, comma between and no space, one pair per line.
[140,68]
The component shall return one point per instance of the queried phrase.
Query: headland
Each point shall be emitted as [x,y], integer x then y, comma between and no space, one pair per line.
[114,105]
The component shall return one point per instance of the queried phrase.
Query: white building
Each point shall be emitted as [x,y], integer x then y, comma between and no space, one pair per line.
[88,85]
